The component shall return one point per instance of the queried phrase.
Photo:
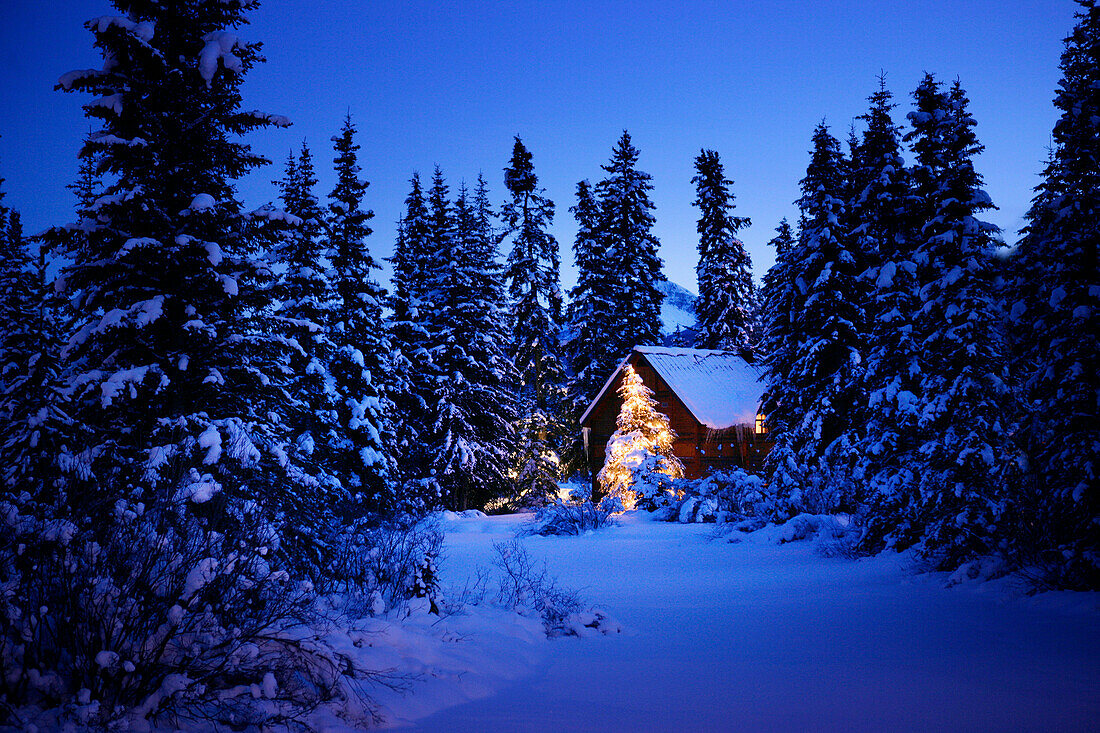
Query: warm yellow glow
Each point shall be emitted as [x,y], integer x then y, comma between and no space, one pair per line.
[642,444]
[761,423]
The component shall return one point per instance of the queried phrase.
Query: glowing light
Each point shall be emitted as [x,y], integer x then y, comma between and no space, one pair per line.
[639,456]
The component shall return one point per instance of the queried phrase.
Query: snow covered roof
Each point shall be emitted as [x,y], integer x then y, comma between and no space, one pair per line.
[719,388]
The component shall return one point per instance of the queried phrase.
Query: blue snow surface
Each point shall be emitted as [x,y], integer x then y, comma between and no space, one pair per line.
[757,636]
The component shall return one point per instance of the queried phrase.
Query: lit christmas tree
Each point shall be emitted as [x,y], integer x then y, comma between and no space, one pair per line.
[639,464]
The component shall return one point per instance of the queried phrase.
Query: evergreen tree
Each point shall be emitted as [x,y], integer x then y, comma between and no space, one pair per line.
[32,422]
[441,228]
[473,407]
[639,463]
[777,333]
[1055,299]
[174,377]
[87,185]
[409,334]
[591,319]
[811,369]
[412,257]
[361,359]
[591,312]
[756,318]
[307,315]
[13,280]
[424,252]
[963,451]
[853,172]
[180,539]
[535,292]
[884,210]
[630,251]
[726,291]
[779,344]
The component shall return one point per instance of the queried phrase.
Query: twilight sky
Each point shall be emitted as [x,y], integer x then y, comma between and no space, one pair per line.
[451,83]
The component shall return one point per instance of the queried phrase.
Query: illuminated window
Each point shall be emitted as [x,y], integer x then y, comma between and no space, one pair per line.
[760,426]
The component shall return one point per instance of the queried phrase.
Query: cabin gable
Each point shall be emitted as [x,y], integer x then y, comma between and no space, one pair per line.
[680,378]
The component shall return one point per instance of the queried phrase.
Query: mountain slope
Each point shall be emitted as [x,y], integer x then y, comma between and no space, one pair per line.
[678,308]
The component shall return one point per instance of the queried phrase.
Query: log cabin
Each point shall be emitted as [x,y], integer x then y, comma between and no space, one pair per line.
[711,398]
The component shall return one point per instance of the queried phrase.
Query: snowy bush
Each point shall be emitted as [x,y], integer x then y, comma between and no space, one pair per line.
[830,486]
[727,496]
[612,503]
[981,570]
[833,535]
[159,619]
[526,589]
[840,536]
[374,569]
[654,488]
[561,518]
[578,489]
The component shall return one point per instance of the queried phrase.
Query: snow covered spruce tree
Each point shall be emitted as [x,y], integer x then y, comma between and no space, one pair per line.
[167,370]
[767,322]
[1055,299]
[777,348]
[535,292]
[639,465]
[471,436]
[361,360]
[591,311]
[811,368]
[776,335]
[158,584]
[30,418]
[630,251]
[17,337]
[35,432]
[852,169]
[409,334]
[439,231]
[726,291]
[88,183]
[589,315]
[963,453]
[14,264]
[884,213]
[309,309]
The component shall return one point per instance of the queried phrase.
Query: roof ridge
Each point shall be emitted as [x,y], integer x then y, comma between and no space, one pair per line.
[720,388]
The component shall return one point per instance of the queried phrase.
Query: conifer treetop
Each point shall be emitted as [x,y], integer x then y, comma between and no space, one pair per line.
[631,249]
[726,291]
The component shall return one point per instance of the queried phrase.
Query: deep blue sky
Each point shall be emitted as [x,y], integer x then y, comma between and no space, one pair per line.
[451,83]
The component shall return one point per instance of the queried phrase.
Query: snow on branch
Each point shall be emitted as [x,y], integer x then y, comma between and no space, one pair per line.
[201,202]
[276,120]
[108,139]
[229,285]
[269,212]
[219,47]
[66,80]
[112,102]
[143,30]
[126,381]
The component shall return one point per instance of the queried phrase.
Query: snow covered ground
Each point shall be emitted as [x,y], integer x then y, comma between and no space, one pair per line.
[753,636]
